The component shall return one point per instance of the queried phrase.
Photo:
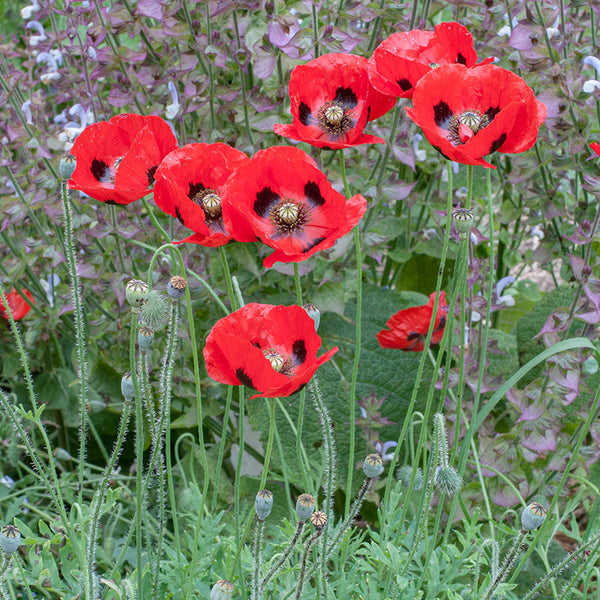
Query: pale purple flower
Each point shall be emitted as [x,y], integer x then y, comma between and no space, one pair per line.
[382,449]
[507,299]
[173,108]
[34,40]
[592,84]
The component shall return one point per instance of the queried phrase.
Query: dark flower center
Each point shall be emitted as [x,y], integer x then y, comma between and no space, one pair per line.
[463,127]
[289,215]
[334,119]
[279,363]
[210,202]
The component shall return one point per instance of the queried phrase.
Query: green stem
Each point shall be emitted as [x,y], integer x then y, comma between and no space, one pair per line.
[267,460]
[227,272]
[353,381]
[222,443]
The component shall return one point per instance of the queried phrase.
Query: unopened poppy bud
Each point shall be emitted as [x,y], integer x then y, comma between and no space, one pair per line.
[447,480]
[222,590]
[533,516]
[145,338]
[127,388]
[263,504]
[176,287]
[154,311]
[314,313]
[373,466]
[463,221]
[67,166]
[590,366]
[305,507]
[136,293]
[319,520]
[404,475]
[10,539]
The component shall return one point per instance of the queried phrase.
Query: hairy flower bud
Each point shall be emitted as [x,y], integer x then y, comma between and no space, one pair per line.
[153,312]
[10,539]
[263,504]
[127,388]
[305,506]
[373,466]
[447,480]
[67,166]
[533,516]
[222,590]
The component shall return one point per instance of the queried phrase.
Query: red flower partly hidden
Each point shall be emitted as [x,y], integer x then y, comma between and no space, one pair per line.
[117,159]
[595,147]
[402,59]
[467,114]
[408,328]
[281,197]
[332,100]
[18,306]
[188,186]
[272,349]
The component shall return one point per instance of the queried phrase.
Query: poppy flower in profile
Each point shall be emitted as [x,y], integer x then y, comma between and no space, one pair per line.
[331,102]
[17,304]
[188,186]
[117,159]
[595,147]
[467,114]
[271,349]
[408,328]
[282,198]
[403,58]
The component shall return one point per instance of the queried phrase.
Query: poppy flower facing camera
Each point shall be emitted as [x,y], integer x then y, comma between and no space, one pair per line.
[188,186]
[282,198]
[331,102]
[271,349]
[408,328]
[400,61]
[467,114]
[117,159]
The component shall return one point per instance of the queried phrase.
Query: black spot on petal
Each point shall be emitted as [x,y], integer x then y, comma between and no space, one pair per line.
[178,215]
[404,84]
[100,170]
[441,324]
[111,202]
[299,351]
[150,174]
[441,113]
[244,378]
[265,199]
[195,188]
[496,145]
[440,151]
[369,113]
[491,112]
[413,335]
[313,194]
[256,344]
[314,243]
[303,113]
[460,59]
[346,97]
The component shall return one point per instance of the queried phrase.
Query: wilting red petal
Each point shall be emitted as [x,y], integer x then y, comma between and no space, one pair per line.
[18,306]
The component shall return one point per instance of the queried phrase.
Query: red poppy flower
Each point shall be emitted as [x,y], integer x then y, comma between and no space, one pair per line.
[281,197]
[595,147]
[188,186]
[117,159]
[402,59]
[272,349]
[332,100]
[18,306]
[469,113]
[408,328]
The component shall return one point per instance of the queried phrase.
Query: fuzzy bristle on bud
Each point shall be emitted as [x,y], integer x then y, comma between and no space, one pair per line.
[447,480]
[153,313]
[405,473]
[127,388]
[305,507]
[176,287]
[533,516]
[222,590]
[314,313]
[10,539]
[263,504]
[373,466]
[136,292]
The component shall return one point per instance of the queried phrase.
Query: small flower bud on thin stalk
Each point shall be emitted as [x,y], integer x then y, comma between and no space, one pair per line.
[176,287]
[305,507]
[145,338]
[447,480]
[314,313]
[10,539]
[463,221]
[136,292]
[67,166]
[153,312]
[319,522]
[127,388]
[533,516]
[222,590]
[263,504]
